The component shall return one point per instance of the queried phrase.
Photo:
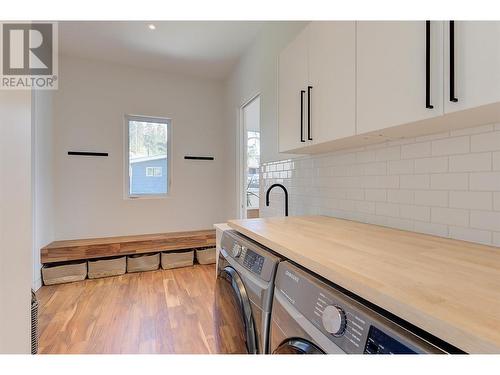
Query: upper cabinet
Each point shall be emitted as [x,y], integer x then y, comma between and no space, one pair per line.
[399,73]
[292,86]
[345,84]
[472,64]
[316,86]
[332,74]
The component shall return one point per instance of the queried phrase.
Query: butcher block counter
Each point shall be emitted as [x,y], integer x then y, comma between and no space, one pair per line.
[446,287]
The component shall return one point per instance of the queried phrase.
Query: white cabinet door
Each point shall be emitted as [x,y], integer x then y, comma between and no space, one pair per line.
[332,77]
[477,64]
[292,80]
[391,73]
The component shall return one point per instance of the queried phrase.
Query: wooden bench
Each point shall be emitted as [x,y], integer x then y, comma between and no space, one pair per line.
[68,250]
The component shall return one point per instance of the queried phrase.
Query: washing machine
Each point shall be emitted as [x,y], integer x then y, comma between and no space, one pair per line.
[243,295]
[312,316]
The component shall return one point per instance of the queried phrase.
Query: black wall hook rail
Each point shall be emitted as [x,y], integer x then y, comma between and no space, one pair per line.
[187,157]
[85,153]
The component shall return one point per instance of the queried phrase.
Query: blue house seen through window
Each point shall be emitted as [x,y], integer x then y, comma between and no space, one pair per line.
[147,175]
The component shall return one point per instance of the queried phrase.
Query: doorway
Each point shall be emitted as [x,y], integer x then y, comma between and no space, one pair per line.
[250,158]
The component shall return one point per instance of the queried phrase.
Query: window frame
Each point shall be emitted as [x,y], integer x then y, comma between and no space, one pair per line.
[126,152]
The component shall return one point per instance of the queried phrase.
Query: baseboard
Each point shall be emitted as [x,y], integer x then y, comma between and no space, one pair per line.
[37,284]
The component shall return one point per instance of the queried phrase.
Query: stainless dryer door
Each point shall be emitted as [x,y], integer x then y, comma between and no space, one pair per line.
[297,346]
[234,324]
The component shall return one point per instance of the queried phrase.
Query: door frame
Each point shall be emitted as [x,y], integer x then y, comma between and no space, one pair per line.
[241,157]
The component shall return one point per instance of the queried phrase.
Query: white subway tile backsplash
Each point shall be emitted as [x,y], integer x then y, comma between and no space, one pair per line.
[431,228]
[431,165]
[404,224]
[496,239]
[471,199]
[450,146]
[347,205]
[470,162]
[400,196]
[365,207]
[381,182]
[445,184]
[415,181]
[450,181]
[377,195]
[487,220]
[365,156]
[471,235]
[387,209]
[496,201]
[420,213]
[417,150]
[485,142]
[401,167]
[436,198]
[496,161]
[356,194]
[389,153]
[375,169]
[489,181]
[451,216]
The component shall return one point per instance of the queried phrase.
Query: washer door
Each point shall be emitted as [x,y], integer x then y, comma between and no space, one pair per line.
[234,325]
[297,346]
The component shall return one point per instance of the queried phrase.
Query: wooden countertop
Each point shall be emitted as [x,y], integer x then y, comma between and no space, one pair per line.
[446,287]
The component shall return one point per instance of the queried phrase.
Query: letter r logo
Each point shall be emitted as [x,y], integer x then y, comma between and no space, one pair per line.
[27,49]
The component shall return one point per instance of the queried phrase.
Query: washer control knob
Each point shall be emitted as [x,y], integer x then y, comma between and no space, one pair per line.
[334,320]
[236,250]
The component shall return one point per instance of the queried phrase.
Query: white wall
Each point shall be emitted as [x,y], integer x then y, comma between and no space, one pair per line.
[89,108]
[16,241]
[256,74]
[251,115]
[43,176]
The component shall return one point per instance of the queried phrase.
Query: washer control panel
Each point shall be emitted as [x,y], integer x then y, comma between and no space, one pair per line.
[253,261]
[380,343]
[334,320]
[254,257]
[349,324]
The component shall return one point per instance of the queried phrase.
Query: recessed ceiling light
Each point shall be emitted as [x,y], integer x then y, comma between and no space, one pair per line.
[151,27]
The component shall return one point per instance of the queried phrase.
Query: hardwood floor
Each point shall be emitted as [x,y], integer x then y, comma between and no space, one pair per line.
[164,311]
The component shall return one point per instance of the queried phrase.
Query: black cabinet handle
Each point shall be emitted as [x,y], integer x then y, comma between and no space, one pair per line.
[302,92]
[428,65]
[309,137]
[452,62]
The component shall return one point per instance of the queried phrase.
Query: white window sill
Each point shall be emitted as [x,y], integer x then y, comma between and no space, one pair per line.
[142,197]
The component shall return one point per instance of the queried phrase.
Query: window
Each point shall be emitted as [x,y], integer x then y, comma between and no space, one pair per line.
[253,162]
[147,156]
[154,171]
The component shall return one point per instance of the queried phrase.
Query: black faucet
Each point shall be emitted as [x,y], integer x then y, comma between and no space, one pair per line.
[286,196]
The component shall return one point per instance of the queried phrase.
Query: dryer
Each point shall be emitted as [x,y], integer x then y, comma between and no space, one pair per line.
[243,295]
[311,316]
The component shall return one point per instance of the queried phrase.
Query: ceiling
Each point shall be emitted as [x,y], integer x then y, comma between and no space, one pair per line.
[201,48]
